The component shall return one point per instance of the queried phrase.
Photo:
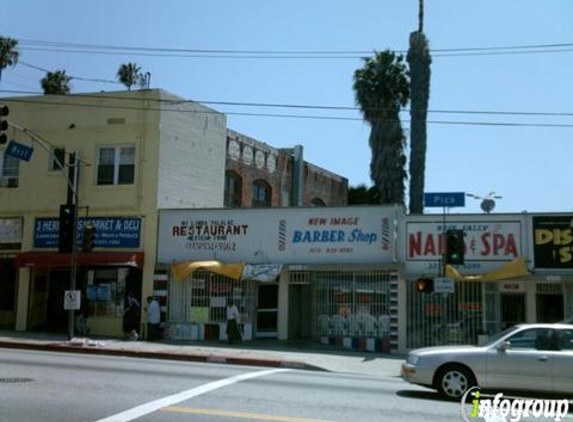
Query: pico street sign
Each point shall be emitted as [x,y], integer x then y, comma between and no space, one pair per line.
[20,151]
[445,199]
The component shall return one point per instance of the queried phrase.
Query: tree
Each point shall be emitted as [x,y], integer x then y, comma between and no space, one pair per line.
[129,74]
[382,88]
[9,55]
[361,195]
[419,60]
[56,83]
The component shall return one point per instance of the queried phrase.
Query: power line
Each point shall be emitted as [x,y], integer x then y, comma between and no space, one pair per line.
[79,78]
[307,106]
[276,115]
[88,47]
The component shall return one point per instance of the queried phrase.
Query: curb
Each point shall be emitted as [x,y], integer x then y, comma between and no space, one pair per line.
[208,358]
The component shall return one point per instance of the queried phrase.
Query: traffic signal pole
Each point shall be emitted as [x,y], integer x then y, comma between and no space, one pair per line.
[73,196]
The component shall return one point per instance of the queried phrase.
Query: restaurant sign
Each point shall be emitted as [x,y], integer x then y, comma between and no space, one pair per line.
[110,232]
[280,235]
[553,242]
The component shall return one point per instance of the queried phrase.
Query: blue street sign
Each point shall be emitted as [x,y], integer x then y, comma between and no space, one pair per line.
[445,199]
[19,151]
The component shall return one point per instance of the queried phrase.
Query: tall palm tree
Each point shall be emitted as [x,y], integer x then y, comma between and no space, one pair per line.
[129,74]
[9,55]
[381,88]
[419,60]
[57,83]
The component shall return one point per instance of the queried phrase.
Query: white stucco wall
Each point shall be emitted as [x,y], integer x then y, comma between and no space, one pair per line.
[193,141]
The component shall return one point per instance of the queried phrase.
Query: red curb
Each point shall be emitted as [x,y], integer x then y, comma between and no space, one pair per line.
[95,350]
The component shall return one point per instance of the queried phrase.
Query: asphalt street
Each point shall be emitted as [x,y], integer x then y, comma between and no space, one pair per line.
[48,386]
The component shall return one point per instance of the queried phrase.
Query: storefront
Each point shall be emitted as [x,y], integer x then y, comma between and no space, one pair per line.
[489,292]
[104,275]
[329,274]
[10,245]
[553,261]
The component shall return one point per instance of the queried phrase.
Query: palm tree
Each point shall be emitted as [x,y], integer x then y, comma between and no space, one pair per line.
[8,53]
[57,83]
[381,88]
[129,74]
[419,60]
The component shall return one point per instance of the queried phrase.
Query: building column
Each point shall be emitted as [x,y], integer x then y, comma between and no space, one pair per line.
[282,323]
[23,299]
[530,301]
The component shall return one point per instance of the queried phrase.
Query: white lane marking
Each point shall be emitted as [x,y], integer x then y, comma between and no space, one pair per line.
[155,405]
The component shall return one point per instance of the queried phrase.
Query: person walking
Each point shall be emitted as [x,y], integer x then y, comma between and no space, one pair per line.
[131,317]
[153,318]
[233,331]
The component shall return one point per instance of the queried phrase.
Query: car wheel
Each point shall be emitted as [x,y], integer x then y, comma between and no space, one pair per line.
[453,381]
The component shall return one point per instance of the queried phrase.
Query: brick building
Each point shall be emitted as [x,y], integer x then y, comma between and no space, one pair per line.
[259,175]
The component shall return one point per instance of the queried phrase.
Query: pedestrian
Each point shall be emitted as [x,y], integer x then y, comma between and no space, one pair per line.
[131,317]
[153,318]
[233,331]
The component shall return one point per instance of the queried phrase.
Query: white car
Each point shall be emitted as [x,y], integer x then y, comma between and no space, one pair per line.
[528,357]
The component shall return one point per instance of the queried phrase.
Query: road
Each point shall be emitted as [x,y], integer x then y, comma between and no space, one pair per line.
[47,386]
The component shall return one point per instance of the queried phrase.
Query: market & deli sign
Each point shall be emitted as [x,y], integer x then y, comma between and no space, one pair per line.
[553,241]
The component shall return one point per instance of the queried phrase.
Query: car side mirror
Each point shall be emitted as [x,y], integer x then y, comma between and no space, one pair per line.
[503,346]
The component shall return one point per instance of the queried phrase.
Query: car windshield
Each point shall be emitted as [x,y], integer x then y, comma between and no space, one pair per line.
[491,341]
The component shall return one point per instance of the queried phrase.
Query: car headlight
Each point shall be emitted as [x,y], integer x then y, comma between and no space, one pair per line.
[413,359]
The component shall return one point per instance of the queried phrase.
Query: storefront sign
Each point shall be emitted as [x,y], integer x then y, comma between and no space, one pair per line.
[280,235]
[553,242]
[488,243]
[10,233]
[111,232]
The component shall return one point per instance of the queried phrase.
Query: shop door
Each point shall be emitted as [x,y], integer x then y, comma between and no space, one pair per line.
[267,310]
[57,316]
[550,307]
[512,310]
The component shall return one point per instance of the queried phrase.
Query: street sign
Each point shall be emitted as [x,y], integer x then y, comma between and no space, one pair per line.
[445,199]
[444,285]
[19,151]
[72,299]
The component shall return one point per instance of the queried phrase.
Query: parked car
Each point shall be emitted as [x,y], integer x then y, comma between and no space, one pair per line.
[527,357]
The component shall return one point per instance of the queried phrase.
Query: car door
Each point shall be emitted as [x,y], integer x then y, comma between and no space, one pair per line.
[526,365]
[563,364]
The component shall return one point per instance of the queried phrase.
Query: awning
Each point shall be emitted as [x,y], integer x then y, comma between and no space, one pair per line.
[55,259]
[513,269]
[181,270]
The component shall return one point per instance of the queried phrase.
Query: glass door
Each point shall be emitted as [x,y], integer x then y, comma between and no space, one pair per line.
[267,310]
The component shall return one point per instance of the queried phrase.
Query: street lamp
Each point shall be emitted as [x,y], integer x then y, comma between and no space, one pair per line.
[487,202]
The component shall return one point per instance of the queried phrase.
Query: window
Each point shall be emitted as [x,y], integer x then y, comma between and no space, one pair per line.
[533,339]
[9,170]
[233,189]
[261,194]
[317,202]
[116,166]
[58,159]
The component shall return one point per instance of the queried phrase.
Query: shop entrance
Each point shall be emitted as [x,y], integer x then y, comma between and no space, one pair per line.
[549,307]
[267,310]
[512,309]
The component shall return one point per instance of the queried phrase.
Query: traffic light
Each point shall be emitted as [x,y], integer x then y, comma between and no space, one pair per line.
[455,248]
[4,111]
[89,235]
[425,285]
[66,231]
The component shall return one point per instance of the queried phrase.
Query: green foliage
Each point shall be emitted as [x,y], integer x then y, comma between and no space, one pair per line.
[419,60]
[382,88]
[9,54]
[361,195]
[56,83]
[129,74]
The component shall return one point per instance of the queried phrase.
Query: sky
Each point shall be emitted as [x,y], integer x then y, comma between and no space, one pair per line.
[500,119]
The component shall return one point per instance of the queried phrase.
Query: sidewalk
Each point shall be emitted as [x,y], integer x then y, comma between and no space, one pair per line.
[273,353]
